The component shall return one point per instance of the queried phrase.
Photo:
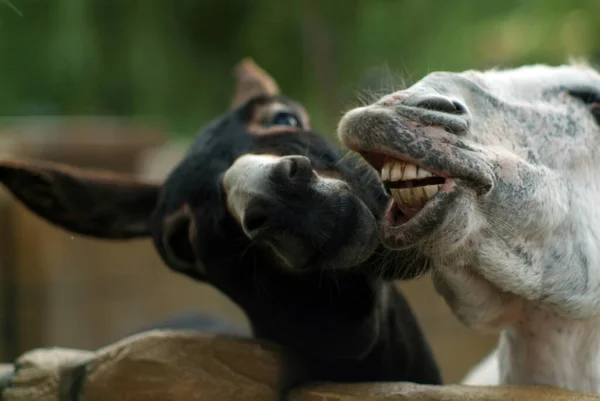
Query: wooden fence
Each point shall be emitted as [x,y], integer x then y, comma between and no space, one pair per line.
[183,366]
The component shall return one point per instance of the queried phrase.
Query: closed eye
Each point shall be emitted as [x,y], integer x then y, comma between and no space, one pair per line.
[587,96]
[591,98]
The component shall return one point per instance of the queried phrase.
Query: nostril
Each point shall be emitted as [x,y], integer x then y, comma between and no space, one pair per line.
[255,219]
[297,166]
[293,168]
[460,108]
[254,223]
[442,104]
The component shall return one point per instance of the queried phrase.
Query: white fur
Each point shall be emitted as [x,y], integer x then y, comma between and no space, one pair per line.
[245,179]
[485,373]
[249,178]
[523,259]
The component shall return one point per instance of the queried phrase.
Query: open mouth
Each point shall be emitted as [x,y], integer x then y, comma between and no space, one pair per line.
[410,186]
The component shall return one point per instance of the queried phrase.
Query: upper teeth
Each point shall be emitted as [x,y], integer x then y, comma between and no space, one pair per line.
[408,196]
[402,171]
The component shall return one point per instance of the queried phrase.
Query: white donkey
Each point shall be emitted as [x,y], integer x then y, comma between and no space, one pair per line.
[495,177]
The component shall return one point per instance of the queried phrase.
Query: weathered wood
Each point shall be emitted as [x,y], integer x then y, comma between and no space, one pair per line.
[187,366]
[416,392]
[39,373]
[173,366]
[159,365]
[6,372]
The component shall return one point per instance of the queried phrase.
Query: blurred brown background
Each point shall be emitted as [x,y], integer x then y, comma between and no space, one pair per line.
[124,85]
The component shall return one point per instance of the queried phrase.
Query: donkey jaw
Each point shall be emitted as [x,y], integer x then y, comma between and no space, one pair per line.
[407,226]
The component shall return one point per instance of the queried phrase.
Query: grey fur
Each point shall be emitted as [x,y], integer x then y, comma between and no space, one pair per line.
[515,245]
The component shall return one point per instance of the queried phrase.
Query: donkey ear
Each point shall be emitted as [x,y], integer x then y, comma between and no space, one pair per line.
[251,81]
[177,242]
[98,204]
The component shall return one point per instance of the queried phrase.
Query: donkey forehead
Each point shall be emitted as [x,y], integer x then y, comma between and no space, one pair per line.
[242,125]
[232,136]
[527,82]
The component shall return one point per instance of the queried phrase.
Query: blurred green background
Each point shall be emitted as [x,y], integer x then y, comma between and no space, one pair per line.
[169,61]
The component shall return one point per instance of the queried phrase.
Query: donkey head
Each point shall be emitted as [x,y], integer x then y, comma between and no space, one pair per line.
[259,182]
[260,207]
[493,176]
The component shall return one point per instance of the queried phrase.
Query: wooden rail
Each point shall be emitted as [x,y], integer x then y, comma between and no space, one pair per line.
[187,366]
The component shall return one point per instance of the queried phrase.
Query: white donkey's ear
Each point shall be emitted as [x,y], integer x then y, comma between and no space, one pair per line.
[252,81]
[98,204]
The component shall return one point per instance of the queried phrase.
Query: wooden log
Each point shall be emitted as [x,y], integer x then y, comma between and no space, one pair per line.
[6,373]
[186,366]
[169,366]
[40,374]
[158,365]
[417,392]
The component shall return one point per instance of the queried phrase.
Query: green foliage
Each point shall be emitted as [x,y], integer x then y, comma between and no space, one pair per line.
[170,60]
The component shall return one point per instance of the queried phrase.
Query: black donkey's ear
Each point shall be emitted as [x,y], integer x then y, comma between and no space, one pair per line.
[176,244]
[98,204]
[252,81]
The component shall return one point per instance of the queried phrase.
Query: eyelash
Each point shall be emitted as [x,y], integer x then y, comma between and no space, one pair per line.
[591,99]
[586,96]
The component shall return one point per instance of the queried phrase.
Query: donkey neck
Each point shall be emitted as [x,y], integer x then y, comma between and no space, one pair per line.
[371,334]
[543,348]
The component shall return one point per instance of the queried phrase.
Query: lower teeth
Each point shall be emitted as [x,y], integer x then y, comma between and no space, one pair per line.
[414,197]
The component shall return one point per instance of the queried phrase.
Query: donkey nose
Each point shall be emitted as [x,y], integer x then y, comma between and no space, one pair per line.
[288,181]
[293,167]
[442,104]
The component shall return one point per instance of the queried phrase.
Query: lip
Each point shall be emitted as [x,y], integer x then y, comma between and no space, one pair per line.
[442,159]
[386,132]
[432,215]
[380,134]
[409,233]
[474,172]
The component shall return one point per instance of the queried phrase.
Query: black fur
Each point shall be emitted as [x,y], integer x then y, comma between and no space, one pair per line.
[327,303]
[342,325]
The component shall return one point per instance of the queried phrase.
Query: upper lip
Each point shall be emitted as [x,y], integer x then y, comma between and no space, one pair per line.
[452,158]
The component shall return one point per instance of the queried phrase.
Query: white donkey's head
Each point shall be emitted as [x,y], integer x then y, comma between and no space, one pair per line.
[495,177]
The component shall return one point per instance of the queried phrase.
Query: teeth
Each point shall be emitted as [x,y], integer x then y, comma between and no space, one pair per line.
[405,196]
[385,173]
[397,172]
[431,190]
[402,171]
[423,173]
[414,197]
[410,172]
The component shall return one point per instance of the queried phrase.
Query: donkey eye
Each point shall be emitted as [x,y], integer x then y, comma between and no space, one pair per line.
[285,118]
[591,98]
